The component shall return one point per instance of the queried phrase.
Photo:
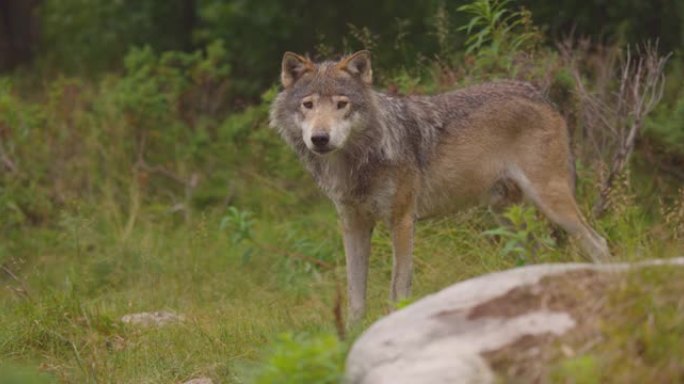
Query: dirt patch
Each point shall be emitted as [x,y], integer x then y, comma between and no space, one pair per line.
[579,293]
[629,328]
[561,292]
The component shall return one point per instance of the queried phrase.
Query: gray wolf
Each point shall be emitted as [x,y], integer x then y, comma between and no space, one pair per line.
[399,159]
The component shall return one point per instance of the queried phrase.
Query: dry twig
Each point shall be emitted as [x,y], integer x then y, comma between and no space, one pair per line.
[641,89]
[612,117]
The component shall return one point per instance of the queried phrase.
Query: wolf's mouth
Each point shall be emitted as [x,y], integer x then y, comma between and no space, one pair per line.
[322,151]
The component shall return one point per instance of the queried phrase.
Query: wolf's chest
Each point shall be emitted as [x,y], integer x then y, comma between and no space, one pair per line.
[372,192]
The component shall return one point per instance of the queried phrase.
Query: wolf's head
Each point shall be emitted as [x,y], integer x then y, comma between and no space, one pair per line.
[326,103]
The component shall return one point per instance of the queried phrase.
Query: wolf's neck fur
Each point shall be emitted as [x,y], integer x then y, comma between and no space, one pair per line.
[347,173]
[397,133]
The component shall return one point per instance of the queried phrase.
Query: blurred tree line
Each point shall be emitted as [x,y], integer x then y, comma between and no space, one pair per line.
[92,36]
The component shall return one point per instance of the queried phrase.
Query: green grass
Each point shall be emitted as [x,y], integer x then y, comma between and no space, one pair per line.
[72,283]
[75,281]
[64,308]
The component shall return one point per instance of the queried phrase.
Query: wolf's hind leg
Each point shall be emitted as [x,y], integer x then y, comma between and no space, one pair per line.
[553,196]
[402,224]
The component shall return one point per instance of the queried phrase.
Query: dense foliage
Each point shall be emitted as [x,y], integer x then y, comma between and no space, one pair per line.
[89,36]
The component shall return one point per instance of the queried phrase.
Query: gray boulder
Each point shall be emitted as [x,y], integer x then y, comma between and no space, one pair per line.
[453,336]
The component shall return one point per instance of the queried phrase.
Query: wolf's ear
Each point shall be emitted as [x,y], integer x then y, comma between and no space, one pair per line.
[293,67]
[358,64]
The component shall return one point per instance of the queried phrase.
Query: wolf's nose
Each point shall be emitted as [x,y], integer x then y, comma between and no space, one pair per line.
[320,139]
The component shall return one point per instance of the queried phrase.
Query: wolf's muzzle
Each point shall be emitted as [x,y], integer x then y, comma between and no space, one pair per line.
[320,141]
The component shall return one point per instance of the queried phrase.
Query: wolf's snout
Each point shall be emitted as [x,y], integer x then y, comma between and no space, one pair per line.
[320,140]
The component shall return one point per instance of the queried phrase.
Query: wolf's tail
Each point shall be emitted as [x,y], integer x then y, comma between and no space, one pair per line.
[572,168]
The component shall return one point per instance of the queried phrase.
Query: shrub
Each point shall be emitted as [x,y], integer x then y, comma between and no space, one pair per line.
[304,359]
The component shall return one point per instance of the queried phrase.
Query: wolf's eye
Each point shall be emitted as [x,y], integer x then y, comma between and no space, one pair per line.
[342,104]
[308,104]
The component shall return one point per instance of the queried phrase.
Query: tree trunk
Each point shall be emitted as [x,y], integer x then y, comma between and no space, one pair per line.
[189,19]
[18,32]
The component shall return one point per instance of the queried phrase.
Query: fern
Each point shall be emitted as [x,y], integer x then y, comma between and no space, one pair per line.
[494,29]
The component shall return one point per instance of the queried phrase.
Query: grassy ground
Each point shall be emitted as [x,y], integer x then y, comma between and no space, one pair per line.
[240,279]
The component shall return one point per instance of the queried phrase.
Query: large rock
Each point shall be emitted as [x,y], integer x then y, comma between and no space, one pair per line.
[457,334]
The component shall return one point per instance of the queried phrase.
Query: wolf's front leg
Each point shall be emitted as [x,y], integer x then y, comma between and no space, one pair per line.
[357,230]
[402,267]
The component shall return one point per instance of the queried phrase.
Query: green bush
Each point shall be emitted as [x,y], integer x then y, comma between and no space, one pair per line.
[667,125]
[525,236]
[497,34]
[304,359]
